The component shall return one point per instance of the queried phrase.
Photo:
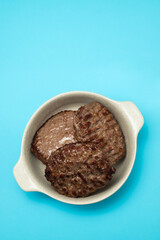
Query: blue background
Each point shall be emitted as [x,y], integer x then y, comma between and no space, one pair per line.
[108,47]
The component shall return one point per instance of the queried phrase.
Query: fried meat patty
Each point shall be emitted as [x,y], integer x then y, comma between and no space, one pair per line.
[53,134]
[95,123]
[78,169]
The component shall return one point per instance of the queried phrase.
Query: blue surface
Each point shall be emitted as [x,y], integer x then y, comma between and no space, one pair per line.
[108,47]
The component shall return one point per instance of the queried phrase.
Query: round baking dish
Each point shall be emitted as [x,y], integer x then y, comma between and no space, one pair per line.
[29,171]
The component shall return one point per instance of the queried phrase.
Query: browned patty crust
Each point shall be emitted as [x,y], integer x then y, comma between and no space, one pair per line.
[78,169]
[95,123]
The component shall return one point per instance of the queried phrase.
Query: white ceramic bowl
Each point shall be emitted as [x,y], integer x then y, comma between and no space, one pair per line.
[29,171]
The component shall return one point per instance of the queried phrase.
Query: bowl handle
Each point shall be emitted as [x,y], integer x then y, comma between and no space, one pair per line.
[22,177]
[134,114]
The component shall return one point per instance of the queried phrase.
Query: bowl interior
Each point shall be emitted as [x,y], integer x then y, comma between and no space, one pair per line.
[72,101]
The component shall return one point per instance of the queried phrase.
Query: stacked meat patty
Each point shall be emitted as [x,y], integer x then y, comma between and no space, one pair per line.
[53,134]
[79,149]
[78,169]
[94,123]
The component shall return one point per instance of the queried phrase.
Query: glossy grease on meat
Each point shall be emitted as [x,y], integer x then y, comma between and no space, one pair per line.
[53,134]
[78,169]
[95,123]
